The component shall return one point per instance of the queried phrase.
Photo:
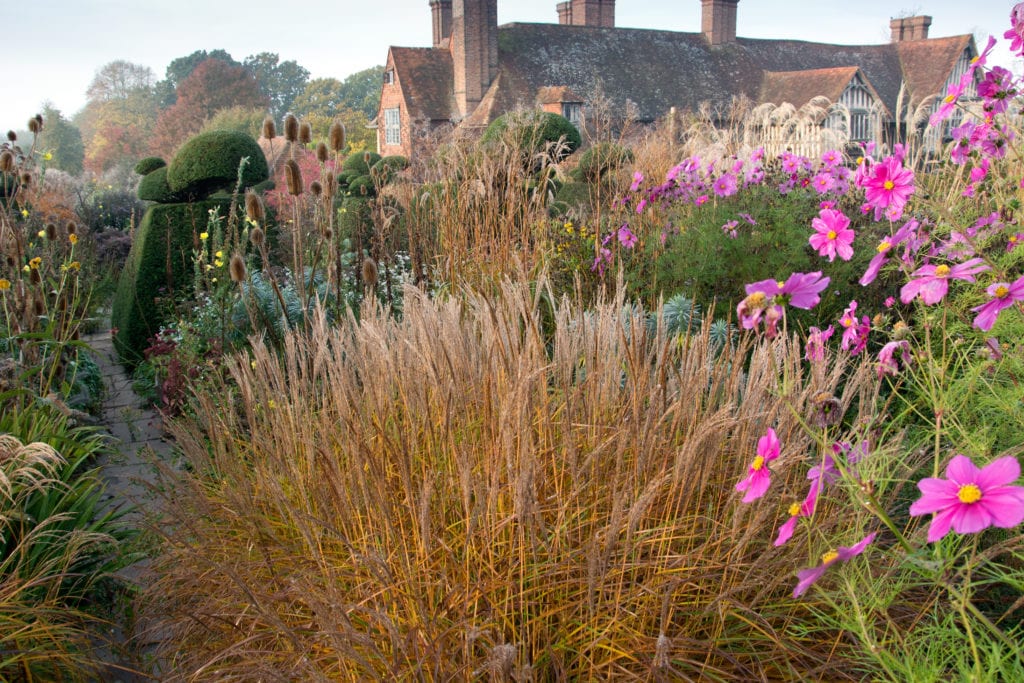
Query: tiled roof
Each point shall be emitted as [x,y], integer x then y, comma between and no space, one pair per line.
[426,77]
[927,63]
[800,87]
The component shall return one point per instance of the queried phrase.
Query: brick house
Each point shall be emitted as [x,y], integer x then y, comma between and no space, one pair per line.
[477,70]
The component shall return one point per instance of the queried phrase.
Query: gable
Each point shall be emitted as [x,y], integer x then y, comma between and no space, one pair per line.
[425,77]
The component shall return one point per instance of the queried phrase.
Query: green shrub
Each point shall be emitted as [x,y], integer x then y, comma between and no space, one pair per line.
[388,167]
[159,266]
[149,164]
[209,162]
[360,162]
[572,197]
[154,188]
[362,186]
[601,159]
[534,132]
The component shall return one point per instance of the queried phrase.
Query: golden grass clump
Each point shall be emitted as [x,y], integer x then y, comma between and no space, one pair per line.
[470,491]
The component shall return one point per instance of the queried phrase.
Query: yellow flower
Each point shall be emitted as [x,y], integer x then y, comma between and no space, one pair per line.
[5,284]
[41,233]
[75,265]
[47,156]
[218,263]
[213,280]
[24,213]
[73,238]
[209,267]
[219,254]
[25,268]
[271,404]
[204,235]
[35,263]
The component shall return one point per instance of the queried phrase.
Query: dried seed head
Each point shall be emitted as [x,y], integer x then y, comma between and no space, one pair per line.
[237,268]
[370,272]
[26,178]
[291,128]
[257,237]
[35,124]
[12,136]
[363,190]
[330,185]
[321,152]
[366,158]
[72,228]
[305,133]
[328,233]
[34,277]
[254,207]
[269,129]
[6,161]
[826,410]
[316,188]
[293,177]
[336,136]
[51,232]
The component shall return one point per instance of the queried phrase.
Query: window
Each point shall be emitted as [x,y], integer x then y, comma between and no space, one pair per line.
[860,126]
[389,77]
[574,112]
[392,126]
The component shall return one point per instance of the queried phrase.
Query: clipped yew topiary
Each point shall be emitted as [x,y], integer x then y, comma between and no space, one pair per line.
[602,159]
[360,163]
[154,188]
[209,163]
[158,267]
[388,167]
[535,131]
[149,164]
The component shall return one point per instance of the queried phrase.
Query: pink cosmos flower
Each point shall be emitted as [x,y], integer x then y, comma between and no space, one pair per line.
[725,186]
[884,247]
[626,237]
[1003,296]
[729,229]
[997,90]
[855,332]
[932,282]
[638,178]
[970,499]
[887,364]
[796,511]
[1013,240]
[982,58]
[1016,34]
[807,577]
[814,350]
[953,94]
[802,290]
[765,299]
[759,476]
[823,182]
[888,188]
[832,235]
[832,158]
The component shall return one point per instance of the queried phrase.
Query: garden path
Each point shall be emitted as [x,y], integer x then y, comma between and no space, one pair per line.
[130,475]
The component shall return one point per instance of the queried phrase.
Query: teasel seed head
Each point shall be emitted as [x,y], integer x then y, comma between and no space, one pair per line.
[369,272]
[26,178]
[51,232]
[293,177]
[366,158]
[34,277]
[336,136]
[12,136]
[237,268]
[257,237]
[321,152]
[316,188]
[6,161]
[305,133]
[72,228]
[291,128]
[254,207]
[269,129]
[35,124]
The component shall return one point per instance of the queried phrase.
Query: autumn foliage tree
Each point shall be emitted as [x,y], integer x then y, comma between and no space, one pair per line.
[212,86]
[117,120]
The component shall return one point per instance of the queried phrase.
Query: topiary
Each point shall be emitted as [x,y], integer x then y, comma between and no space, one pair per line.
[149,164]
[572,197]
[601,159]
[159,264]
[360,162]
[209,162]
[532,132]
[388,167]
[154,187]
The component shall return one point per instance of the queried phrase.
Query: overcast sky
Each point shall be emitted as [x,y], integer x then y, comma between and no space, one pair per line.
[54,47]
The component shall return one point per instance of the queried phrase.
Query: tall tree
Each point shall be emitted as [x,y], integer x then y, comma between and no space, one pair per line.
[361,90]
[62,140]
[118,79]
[212,86]
[322,96]
[280,81]
[181,68]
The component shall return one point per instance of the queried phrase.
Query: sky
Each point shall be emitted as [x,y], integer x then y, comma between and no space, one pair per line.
[53,48]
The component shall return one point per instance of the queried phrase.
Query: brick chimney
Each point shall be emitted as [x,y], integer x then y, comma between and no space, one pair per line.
[587,13]
[718,21]
[474,47]
[910,28]
[441,13]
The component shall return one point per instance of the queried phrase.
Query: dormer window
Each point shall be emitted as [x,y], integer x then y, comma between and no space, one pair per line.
[574,112]
[389,77]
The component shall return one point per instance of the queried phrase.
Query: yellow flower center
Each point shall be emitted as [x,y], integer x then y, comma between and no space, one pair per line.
[950,99]
[794,509]
[5,284]
[829,557]
[757,300]
[1013,239]
[832,234]
[889,184]
[1002,291]
[969,493]
[758,463]
[884,247]
[941,271]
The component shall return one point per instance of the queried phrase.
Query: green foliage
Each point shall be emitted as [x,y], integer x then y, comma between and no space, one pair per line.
[599,160]
[159,267]
[281,82]
[533,132]
[181,68]
[209,162]
[241,119]
[572,197]
[360,162]
[62,140]
[149,164]
[388,167]
[154,188]
[259,309]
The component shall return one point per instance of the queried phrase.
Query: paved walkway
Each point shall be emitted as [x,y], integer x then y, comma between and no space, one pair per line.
[130,477]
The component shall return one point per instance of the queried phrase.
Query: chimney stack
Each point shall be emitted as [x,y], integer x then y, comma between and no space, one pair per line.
[910,28]
[587,13]
[718,21]
[474,46]
[441,13]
